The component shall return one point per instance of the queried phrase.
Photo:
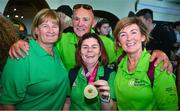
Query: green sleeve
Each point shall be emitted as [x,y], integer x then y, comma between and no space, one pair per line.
[14,81]
[58,45]
[165,90]
[110,49]
[111,84]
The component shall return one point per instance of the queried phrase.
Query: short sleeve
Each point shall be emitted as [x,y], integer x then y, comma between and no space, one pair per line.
[165,90]
[14,81]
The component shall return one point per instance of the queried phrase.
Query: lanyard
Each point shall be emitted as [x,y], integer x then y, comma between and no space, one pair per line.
[92,75]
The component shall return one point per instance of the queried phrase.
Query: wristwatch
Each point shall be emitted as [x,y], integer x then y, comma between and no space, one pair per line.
[105,99]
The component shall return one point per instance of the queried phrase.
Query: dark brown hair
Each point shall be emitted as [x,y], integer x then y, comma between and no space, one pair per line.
[146,13]
[103,58]
[8,36]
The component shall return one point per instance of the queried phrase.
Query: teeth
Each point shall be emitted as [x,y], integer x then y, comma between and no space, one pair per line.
[89,56]
[80,29]
[50,35]
[130,44]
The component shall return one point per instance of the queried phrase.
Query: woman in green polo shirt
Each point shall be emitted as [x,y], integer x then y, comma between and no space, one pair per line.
[91,90]
[133,88]
[39,81]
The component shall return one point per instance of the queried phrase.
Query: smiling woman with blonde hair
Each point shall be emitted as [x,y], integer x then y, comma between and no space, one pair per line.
[39,81]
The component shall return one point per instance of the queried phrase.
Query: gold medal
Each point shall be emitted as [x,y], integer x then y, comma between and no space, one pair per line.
[90,91]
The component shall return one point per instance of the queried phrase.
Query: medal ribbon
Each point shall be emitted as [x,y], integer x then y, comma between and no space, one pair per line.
[93,75]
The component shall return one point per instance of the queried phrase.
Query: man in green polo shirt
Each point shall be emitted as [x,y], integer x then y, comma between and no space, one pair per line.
[83,20]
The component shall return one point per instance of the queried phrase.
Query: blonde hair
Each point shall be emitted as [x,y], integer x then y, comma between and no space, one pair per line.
[42,16]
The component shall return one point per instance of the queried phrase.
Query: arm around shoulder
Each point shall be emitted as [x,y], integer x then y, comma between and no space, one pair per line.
[161,56]
[15,49]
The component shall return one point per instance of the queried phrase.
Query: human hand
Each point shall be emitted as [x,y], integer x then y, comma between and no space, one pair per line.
[102,87]
[161,56]
[15,49]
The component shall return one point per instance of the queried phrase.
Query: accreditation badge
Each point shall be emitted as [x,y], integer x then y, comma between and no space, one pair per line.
[90,91]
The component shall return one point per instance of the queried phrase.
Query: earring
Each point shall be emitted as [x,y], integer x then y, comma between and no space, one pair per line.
[119,44]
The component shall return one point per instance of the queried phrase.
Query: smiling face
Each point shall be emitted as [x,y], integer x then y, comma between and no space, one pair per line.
[90,51]
[83,20]
[130,39]
[47,32]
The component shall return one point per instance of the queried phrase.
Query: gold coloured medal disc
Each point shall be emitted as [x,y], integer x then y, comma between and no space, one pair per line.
[90,91]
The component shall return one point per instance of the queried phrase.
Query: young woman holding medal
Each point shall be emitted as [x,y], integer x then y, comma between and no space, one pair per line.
[89,91]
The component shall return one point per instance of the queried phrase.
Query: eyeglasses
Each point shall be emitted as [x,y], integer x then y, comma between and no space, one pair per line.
[85,6]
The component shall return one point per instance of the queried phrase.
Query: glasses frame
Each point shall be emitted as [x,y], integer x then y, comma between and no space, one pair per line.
[85,6]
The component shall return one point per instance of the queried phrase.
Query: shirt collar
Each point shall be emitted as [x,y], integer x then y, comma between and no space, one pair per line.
[74,37]
[141,65]
[37,48]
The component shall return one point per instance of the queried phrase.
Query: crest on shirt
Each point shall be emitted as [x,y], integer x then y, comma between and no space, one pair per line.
[136,82]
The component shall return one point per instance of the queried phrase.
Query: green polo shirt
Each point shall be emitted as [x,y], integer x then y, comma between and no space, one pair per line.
[133,89]
[36,82]
[67,48]
[78,101]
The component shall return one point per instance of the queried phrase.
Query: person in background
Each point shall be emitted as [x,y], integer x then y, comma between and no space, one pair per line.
[177,54]
[65,14]
[177,29]
[131,14]
[82,21]
[133,88]
[177,35]
[103,28]
[7,37]
[39,81]
[178,73]
[160,38]
[91,61]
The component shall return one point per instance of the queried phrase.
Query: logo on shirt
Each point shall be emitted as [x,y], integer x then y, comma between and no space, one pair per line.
[136,82]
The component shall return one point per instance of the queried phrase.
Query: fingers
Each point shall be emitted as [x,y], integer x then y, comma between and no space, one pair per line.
[153,56]
[158,60]
[100,83]
[18,52]
[102,87]
[12,52]
[26,48]
[161,56]
[167,65]
[104,93]
[15,50]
